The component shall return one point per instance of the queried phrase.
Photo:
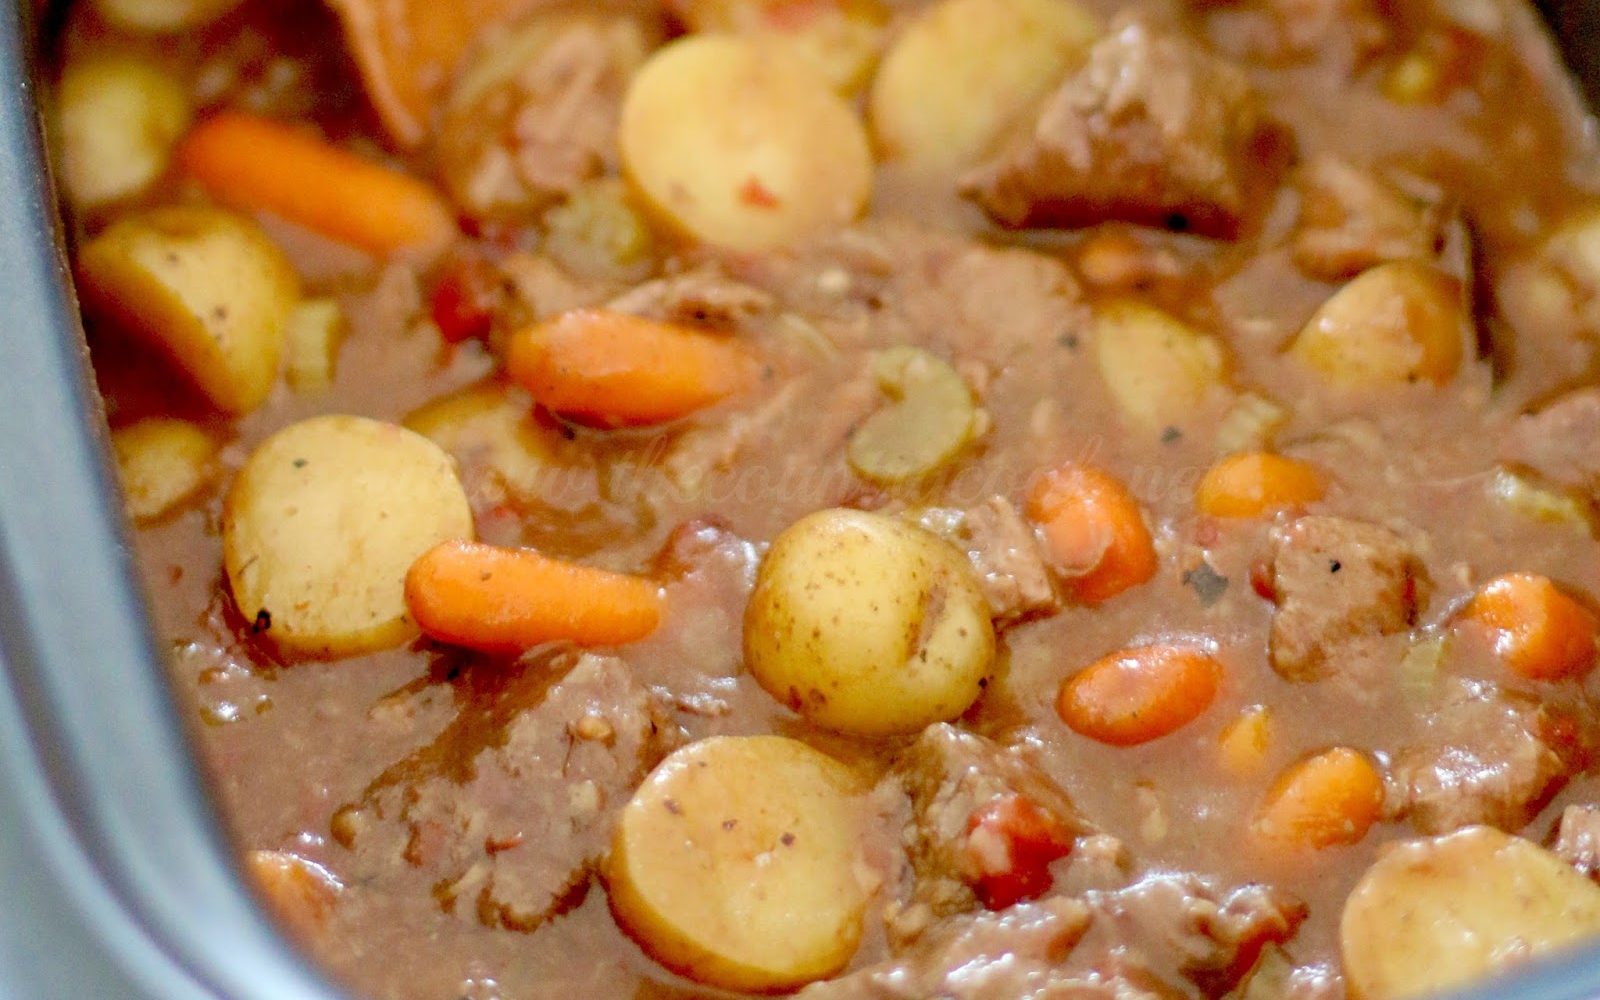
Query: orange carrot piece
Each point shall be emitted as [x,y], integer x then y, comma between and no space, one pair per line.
[503,600]
[1139,694]
[613,370]
[301,893]
[1094,531]
[1331,798]
[1243,744]
[256,164]
[1250,484]
[1539,632]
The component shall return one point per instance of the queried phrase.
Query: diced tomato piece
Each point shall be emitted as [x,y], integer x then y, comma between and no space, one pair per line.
[1011,842]
[466,298]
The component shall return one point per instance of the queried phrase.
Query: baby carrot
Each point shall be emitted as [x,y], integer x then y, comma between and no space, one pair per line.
[1539,632]
[1139,694]
[613,369]
[1094,531]
[1250,484]
[504,600]
[257,164]
[1331,798]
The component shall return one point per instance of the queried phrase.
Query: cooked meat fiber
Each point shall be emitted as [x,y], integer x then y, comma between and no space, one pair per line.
[1577,839]
[1152,130]
[1352,219]
[1337,582]
[513,840]
[951,775]
[1005,555]
[1487,756]
[1167,936]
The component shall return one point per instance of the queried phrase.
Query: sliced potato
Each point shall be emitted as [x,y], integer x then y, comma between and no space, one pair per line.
[120,117]
[1159,370]
[160,16]
[1397,323]
[312,337]
[966,69]
[930,417]
[322,523]
[840,38]
[162,462]
[868,625]
[1434,914]
[738,861]
[742,144]
[486,428]
[204,285]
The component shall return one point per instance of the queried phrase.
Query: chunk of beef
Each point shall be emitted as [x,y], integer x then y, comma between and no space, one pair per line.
[1351,219]
[1167,936]
[1561,442]
[1152,130]
[993,956]
[1337,582]
[509,809]
[1485,756]
[1003,550]
[544,118]
[952,777]
[1577,839]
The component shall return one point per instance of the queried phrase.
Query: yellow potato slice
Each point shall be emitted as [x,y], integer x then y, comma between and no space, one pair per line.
[739,864]
[492,433]
[205,286]
[312,336]
[120,116]
[1159,370]
[1434,914]
[742,144]
[161,16]
[966,69]
[322,523]
[162,462]
[840,38]
[868,625]
[1397,323]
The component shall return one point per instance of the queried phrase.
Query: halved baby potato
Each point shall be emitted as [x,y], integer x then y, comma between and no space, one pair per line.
[162,462]
[486,427]
[322,523]
[840,38]
[739,863]
[1434,914]
[1395,324]
[742,144]
[966,69]
[120,117]
[206,286]
[1158,369]
[867,625]
[160,16]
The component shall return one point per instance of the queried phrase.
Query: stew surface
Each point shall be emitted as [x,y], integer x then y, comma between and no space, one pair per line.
[974,498]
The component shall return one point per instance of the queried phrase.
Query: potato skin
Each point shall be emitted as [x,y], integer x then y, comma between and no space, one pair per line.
[867,625]
[1397,323]
[737,863]
[206,286]
[322,523]
[1447,911]
[739,143]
